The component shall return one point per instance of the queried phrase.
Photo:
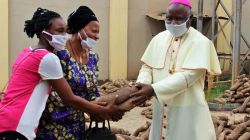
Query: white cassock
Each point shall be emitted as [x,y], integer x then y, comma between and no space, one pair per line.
[176,68]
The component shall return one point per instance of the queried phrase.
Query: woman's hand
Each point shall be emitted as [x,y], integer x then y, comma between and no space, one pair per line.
[114,111]
[99,117]
[110,112]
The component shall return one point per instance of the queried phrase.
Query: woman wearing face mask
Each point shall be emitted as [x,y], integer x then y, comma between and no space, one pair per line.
[33,73]
[79,64]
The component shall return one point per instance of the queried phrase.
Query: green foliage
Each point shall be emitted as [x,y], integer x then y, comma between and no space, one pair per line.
[215,92]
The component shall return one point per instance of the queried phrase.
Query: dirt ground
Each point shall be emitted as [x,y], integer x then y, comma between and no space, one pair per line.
[133,119]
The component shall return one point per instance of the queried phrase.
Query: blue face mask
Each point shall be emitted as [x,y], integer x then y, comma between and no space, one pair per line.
[177,30]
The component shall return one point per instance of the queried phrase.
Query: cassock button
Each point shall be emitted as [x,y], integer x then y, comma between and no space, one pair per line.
[164,126]
[170,71]
[165,105]
[164,116]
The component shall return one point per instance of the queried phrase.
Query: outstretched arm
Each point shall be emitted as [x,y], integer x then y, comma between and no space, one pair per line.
[169,87]
[50,70]
[111,111]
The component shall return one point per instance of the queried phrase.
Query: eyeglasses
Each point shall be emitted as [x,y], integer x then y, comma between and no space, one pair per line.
[177,20]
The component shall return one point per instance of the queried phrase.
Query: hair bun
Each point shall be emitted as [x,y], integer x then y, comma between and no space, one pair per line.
[39,22]
[29,27]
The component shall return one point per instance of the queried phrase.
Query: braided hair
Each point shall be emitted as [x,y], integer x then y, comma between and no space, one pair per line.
[41,20]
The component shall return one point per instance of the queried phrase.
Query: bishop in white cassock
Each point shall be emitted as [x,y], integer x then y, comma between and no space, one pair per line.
[174,69]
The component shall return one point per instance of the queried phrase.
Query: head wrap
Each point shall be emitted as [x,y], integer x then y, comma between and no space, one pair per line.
[80,18]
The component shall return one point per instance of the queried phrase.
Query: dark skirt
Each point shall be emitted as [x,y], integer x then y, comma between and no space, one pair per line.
[12,135]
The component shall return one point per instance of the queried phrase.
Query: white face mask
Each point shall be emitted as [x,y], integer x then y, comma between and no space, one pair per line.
[89,42]
[177,30]
[58,41]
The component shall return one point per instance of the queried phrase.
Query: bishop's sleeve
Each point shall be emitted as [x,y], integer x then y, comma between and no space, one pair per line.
[145,75]
[171,86]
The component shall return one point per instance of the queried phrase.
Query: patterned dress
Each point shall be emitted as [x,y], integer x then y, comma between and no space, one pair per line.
[59,121]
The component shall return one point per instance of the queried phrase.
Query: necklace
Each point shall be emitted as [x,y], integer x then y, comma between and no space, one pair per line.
[78,57]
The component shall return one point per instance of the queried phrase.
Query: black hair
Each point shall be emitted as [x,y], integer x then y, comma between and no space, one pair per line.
[41,20]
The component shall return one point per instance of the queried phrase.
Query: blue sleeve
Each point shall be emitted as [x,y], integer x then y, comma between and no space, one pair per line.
[95,59]
[64,57]
[63,54]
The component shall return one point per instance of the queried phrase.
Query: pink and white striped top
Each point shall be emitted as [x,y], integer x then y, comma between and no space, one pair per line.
[28,90]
